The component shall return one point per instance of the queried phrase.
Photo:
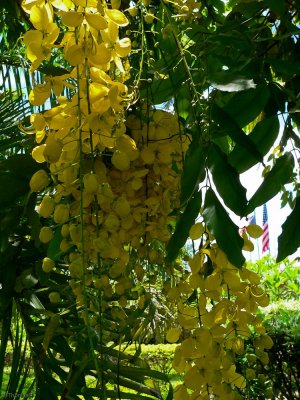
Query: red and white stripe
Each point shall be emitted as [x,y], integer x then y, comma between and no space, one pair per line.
[265,236]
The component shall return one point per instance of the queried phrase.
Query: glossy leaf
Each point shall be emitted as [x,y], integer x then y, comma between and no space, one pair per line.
[134,378]
[284,66]
[186,220]
[224,230]
[161,89]
[289,239]
[193,171]
[227,180]
[245,106]
[141,373]
[54,251]
[272,183]
[277,101]
[228,126]
[263,136]
[248,7]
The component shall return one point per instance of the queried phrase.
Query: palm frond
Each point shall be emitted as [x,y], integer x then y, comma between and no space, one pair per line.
[66,365]
[19,370]
[12,111]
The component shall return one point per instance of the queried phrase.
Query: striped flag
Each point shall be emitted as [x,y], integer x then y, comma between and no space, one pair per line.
[265,236]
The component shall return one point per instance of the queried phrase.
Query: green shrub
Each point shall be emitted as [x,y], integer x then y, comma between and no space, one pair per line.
[158,356]
[279,378]
[280,280]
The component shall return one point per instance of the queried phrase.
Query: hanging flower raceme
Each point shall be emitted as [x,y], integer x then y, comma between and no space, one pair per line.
[221,322]
[40,42]
[113,187]
[88,115]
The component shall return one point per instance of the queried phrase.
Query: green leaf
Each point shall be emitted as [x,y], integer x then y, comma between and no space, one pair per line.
[183,102]
[33,218]
[186,220]
[47,385]
[289,239]
[248,8]
[27,279]
[245,106]
[263,136]
[133,378]
[193,171]
[53,70]
[161,90]
[228,126]
[60,344]
[53,250]
[278,6]
[231,37]
[166,74]
[227,180]
[223,143]
[10,143]
[224,230]
[112,394]
[272,183]
[277,101]
[284,66]
[219,5]
[139,374]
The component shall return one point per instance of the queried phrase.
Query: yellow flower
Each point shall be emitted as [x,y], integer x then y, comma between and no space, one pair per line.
[118,48]
[48,264]
[39,180]
[41,15]
[41,92]
[39,42]
[46,234]
[105,93]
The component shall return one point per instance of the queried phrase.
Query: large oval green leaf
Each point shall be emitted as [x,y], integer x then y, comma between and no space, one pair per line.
[186,220]
[273,181]
[289,240]
[226,125]
[223,229]
[53,250]
[245,106]
[193,171]
[227,181]
[263,136]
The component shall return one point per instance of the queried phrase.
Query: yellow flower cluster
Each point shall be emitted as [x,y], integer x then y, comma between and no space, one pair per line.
[126,201]
[113,181]
[92,34]
[220,322]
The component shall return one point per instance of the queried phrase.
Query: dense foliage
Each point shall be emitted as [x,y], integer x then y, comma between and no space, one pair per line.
[141,118]
[280,377]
